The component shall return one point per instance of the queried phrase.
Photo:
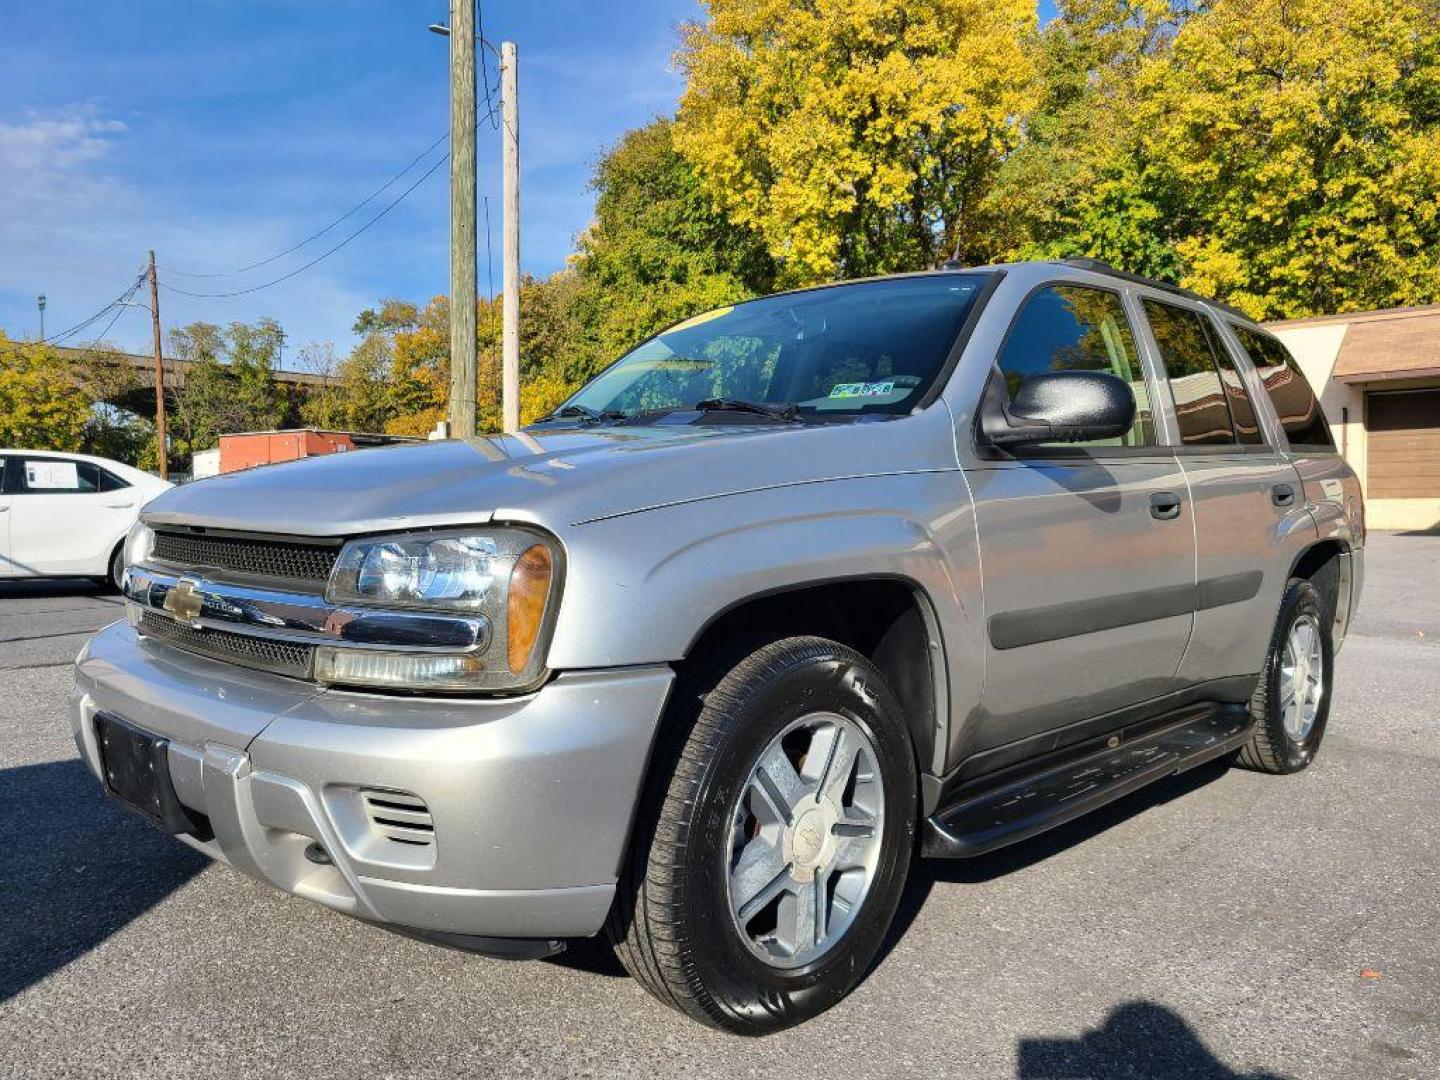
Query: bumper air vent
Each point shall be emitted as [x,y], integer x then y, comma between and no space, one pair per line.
[400,817]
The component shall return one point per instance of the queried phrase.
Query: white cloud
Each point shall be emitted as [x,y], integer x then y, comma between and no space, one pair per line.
[73,227]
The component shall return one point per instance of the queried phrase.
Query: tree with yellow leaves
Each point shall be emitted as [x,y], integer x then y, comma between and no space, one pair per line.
[856,136]
[42,405]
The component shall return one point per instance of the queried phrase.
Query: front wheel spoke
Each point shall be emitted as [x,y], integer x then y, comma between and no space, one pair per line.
[809,914]
[779,784]
[843,763]
[762,896]
[761,864]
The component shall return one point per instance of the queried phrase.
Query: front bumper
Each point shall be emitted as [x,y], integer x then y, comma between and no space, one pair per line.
[530,799]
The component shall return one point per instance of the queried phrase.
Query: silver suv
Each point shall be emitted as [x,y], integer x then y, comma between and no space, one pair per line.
[794,588]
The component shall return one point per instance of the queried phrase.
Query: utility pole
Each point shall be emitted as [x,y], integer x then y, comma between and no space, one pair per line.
[161,451]
[510,329]
[462,218]
[40,303]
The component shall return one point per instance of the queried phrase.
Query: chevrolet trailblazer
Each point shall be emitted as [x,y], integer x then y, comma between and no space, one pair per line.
[793,590]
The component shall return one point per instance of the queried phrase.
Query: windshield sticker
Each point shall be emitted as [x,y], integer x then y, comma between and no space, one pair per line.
[863,389]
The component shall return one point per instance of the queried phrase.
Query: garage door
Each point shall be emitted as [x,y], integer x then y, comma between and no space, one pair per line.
[1404,445]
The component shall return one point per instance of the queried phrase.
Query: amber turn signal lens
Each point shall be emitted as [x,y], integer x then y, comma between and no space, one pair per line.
[529,589]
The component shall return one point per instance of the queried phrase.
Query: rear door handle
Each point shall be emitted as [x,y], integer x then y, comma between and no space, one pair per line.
[1164,505]
[1282,495]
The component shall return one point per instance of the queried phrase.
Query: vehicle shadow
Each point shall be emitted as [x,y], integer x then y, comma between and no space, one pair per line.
[74,869]
[926,873]
[594,955]
[57,587]
[1140,1040]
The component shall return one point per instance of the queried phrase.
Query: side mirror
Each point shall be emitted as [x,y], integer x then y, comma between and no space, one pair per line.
[1060,406]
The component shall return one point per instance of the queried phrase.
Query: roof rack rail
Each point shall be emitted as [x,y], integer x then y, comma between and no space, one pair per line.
[1098,267]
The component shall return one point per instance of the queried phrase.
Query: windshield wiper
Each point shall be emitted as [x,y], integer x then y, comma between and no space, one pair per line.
[786,412]
[583,412]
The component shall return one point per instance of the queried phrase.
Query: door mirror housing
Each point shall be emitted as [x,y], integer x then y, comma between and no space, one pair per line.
[1060,406]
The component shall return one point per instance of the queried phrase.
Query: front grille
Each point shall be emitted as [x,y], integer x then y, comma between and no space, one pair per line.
[291,560]
[281,657]
[400,817]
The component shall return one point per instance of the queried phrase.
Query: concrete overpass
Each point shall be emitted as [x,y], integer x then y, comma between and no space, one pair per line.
[135,384]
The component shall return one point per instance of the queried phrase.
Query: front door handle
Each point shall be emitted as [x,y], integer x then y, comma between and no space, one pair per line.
[1282,495]
[1165,505]
[119,506]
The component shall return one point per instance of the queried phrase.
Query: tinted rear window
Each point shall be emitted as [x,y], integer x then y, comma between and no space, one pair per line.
[1187,347]
[1300,413]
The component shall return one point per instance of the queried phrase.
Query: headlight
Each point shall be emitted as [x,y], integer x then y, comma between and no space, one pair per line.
[139,544]
[507,576]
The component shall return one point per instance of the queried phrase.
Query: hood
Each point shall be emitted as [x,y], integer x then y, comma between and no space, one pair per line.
[555,478]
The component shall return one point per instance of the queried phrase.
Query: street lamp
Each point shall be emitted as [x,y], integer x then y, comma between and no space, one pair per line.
[40,303]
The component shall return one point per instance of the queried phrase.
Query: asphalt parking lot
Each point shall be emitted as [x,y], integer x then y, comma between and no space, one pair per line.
[1222,924]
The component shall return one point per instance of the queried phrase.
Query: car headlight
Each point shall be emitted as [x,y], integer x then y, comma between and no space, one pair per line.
[139,543]
[508,577]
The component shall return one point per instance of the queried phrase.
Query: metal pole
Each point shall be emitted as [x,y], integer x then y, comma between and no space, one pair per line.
[161,451]
[510,330]
[462,218]
[40,303]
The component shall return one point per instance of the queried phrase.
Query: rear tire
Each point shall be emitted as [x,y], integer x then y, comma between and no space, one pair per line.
[713,824]
[1292,701]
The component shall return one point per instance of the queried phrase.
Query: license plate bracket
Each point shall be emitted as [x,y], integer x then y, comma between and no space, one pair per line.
[135,766]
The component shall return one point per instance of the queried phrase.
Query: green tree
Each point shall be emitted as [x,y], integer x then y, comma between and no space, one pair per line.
[857,137]
[229,383]
[1076,185]
[1303,138]
[658,251]
[42,405]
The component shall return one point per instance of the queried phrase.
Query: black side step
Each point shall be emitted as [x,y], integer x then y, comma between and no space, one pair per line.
[989,816]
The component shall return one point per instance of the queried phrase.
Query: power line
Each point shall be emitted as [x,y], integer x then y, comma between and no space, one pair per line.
[323,230]
[321,257]
[116,306]
[123,298]
[485,67]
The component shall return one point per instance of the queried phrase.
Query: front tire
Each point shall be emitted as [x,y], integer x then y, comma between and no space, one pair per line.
[1292,701]
[117,568]
[774,839]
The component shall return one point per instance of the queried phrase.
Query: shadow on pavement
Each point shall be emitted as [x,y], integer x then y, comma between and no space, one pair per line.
[925,873]
[50,587]
[74,869]
[1140,1040]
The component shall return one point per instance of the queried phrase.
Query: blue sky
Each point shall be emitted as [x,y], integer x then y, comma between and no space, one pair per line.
[222,131]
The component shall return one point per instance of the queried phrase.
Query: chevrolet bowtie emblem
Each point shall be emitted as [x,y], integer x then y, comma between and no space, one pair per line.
[185,601]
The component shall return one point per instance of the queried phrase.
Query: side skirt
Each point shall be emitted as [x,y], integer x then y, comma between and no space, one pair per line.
[998,810]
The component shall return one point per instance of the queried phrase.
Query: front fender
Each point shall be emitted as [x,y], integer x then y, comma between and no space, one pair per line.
[642,587]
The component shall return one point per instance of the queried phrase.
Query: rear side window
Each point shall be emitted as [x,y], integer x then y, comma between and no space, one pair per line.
[53,476]
[1300,413]
[110,482]
[1188,348]
[1077,328]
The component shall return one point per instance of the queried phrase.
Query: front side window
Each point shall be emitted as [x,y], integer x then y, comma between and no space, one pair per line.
[868,347]
[1187,347]
[1077,328]
[1295,403]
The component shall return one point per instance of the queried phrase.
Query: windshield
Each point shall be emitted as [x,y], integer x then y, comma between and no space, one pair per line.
[869,347]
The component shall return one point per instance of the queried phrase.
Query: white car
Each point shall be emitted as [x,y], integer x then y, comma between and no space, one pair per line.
[66,515]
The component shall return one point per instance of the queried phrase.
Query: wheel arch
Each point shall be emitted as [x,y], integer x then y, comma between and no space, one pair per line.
[890,619]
